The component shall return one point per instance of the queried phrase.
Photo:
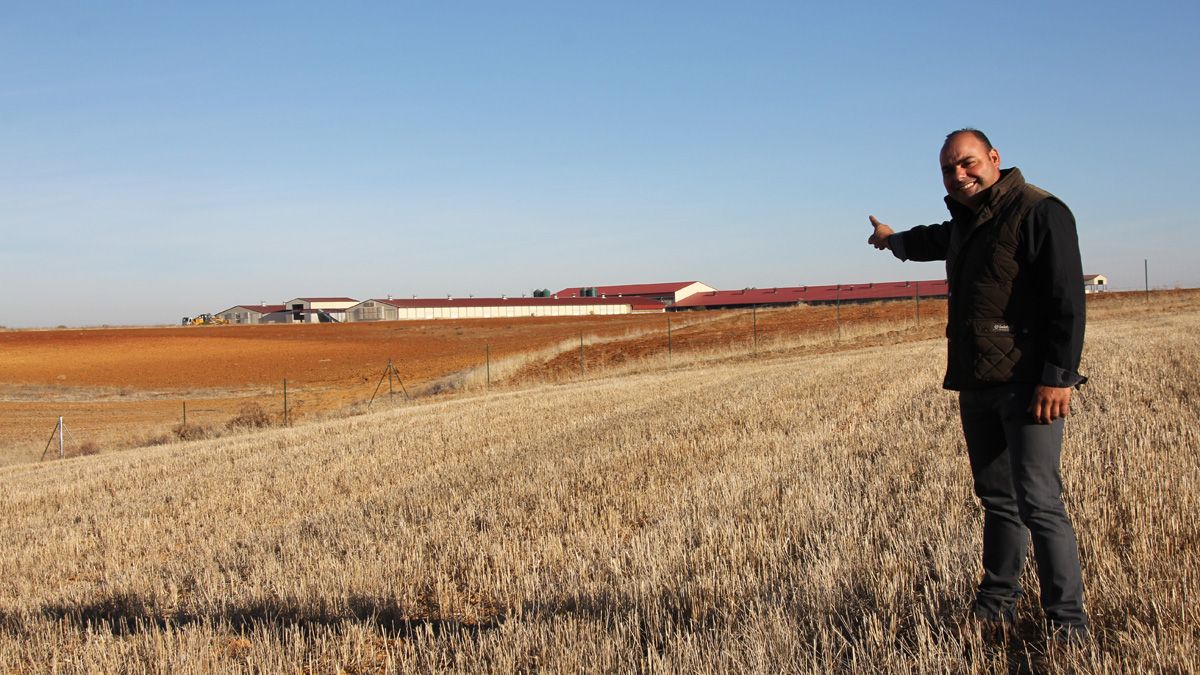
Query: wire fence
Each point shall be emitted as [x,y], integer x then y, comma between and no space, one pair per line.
[53,429]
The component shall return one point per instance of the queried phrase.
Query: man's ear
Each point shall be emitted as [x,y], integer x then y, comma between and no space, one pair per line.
[994,155]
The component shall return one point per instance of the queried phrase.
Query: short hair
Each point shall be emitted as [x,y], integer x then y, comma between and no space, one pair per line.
[974,132]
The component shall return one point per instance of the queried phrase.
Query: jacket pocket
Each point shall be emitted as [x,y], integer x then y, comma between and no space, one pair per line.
[998,347]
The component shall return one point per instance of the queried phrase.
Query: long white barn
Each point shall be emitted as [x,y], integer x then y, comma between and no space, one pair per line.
[491,308]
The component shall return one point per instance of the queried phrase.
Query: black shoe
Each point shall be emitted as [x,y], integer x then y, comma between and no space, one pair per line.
[1069,635]
[995,628]
[994,632]
[1006,615]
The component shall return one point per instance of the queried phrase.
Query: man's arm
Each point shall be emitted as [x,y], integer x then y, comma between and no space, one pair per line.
[921,243]
[1053,246]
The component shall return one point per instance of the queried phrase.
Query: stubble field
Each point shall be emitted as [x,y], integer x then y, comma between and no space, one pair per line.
[808,510]
[122,388]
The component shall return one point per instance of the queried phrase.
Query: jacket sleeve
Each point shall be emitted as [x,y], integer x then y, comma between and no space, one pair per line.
[1053,250]
[922,243]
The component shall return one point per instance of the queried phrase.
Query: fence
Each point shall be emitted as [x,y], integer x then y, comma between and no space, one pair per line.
[123,420]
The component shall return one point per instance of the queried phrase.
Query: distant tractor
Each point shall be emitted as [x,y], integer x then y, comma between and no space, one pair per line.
[206,320]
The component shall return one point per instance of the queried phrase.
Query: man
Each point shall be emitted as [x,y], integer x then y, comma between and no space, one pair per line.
[1015,334]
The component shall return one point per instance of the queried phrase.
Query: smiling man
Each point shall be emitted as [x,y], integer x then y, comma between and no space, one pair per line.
[1015,335]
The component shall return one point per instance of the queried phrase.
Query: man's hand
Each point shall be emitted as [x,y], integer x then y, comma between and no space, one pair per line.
[1050,403]
[879,238]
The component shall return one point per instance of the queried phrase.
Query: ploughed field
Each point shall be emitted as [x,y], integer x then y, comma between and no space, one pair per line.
[808,510]
[121,388]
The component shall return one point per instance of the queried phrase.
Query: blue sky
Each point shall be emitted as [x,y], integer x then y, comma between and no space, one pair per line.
[165,159]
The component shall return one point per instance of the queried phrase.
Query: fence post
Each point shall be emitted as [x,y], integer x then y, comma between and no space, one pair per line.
[581,352]
[185,413]
[56,430]
[1146,267]
[668,338]
[285,403]
[391,370]
[754,324]
[917,298]
[487,356]
[60,437]
[837,294]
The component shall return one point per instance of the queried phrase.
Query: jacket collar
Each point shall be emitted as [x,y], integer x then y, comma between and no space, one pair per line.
[1010,181]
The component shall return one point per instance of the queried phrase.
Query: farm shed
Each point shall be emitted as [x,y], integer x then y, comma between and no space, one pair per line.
[248,313]
[489,308]
[310,310]
[665,293]
[814,295]
[1095,283]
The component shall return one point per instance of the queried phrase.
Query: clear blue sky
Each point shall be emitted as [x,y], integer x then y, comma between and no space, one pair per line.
[164,159]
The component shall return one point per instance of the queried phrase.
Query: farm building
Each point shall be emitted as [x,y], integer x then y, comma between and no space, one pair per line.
[313,310]
[666,293]
[249,313]
[1095,283]
[813,295]
[489,308]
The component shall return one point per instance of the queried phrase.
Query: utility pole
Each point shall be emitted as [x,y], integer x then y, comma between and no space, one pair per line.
[1146,267]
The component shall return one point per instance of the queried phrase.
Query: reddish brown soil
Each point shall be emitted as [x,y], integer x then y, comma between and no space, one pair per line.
[119,387]
[223,357]
[122,387]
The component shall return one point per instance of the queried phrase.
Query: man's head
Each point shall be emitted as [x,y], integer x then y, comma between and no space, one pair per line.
[970,165]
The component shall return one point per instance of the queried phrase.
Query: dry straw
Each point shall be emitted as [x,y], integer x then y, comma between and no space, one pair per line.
[807,513]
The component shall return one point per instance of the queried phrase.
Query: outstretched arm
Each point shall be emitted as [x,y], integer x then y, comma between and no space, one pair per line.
[921,243]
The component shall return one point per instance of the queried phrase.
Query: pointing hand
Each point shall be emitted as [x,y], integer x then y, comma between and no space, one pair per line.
[879,238]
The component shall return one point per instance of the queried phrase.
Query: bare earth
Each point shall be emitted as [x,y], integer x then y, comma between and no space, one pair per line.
[119,388]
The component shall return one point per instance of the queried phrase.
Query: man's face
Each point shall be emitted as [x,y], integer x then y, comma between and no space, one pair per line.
[968,168]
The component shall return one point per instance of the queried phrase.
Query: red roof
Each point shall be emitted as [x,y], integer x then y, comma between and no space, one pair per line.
[669,288]
[891,290]
[500,302]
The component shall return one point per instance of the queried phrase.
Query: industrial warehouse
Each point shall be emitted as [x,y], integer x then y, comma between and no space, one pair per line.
[582,301]
[573,301]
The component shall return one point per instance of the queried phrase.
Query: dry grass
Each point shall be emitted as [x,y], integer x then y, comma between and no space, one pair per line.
[801,513]
[130,416]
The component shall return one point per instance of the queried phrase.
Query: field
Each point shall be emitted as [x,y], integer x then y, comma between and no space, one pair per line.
[805,509]
[121,388]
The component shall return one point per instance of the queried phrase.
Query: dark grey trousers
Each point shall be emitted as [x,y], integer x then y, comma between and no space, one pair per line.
[1015,463]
